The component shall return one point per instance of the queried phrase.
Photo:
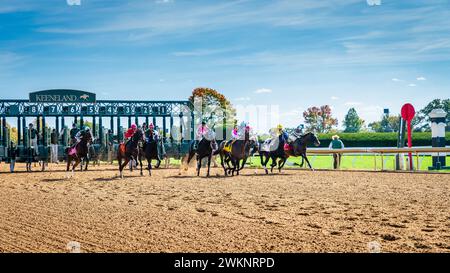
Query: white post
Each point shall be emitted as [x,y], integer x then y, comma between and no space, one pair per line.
[438,121]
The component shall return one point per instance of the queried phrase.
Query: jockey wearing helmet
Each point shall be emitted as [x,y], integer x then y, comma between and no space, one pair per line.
[130,132]
[202,130]
[282,132]
[235,133]
[86,130]
[151,133]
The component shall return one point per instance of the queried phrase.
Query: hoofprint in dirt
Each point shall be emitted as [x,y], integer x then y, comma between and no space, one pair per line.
[296,211]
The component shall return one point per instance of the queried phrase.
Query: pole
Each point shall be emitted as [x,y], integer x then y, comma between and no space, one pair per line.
[18,131]
[410,145]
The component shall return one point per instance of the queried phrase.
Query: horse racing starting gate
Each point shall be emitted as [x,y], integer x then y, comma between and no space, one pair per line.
[174,119]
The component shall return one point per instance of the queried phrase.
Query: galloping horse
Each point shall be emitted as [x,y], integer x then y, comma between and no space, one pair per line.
[150,151]
[79,151]
[129,151]
[205,148]
[298,148]
[235,151]
[274,155]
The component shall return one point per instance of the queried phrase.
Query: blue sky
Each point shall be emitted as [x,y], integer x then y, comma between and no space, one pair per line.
[293,54]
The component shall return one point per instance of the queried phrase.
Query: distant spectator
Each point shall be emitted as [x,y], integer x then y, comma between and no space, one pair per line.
[54,146]
[13,152]
[33,133]
[336,143]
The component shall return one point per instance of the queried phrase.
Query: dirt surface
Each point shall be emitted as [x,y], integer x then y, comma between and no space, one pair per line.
[296,211]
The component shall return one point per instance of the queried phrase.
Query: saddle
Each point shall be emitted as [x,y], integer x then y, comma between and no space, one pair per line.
[122,148]
[288,147]
[229,146]
[270,145]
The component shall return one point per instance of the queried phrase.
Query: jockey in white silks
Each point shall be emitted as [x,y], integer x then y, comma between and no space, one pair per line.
[86,130]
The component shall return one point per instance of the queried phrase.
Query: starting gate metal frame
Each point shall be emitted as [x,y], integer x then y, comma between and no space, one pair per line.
[114,109]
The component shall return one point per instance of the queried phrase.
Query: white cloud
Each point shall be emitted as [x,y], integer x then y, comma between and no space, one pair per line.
[412,85]
[263,91]
[421,78]
[334,98]
[373,2]
[396,80]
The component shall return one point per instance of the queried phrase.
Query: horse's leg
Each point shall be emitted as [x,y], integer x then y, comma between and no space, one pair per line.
[209,165]
[68,163]
[264,163]
[122,166]
[77,161]
[303,162]
[199,164]
[236,167]
[149,161]
[87,163]
[191,155]
[307,161]
[274,162]
[281,163]
[223,163]
[140,164]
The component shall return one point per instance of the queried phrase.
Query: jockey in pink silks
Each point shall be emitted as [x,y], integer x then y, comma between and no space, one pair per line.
[201,131]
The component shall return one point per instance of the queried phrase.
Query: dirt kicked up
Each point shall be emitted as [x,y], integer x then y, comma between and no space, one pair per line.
[296,211]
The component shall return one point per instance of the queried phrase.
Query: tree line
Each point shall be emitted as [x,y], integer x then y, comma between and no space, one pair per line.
[321,120]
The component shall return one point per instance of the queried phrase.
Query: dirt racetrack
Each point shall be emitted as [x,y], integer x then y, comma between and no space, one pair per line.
[297,211]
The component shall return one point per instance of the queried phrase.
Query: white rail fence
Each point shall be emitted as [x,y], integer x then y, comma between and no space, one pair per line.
[441,151]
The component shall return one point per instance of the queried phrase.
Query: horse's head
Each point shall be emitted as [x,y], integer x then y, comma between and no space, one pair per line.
[210,135]
[138,136]
[311,138]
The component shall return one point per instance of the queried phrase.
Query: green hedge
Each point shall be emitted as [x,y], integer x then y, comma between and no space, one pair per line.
[378,139]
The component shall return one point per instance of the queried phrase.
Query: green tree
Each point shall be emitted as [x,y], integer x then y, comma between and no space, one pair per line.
[387,124]
[421,121]
[319,120]
[352,122]
[211,99]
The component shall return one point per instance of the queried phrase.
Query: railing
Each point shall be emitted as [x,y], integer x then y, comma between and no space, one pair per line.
[440,151]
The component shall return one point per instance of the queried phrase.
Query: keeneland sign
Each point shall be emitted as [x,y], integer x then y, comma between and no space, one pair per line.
[62,95]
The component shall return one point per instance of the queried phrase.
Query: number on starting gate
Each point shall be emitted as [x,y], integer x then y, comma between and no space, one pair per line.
[90,110]
[73,110]
[53,109]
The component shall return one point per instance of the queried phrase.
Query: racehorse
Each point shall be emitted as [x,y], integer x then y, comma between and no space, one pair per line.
[150,151]
[79,151]
[298,148]
[205,148]
[235,151]
[274,155]
[91,156]
[130,151]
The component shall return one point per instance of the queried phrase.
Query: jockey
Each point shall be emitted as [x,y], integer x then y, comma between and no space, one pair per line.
[86,130]
[282,132]
[151,133]
[202,130]
[296,134]
[130,132]
[235,133]
[73,133]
